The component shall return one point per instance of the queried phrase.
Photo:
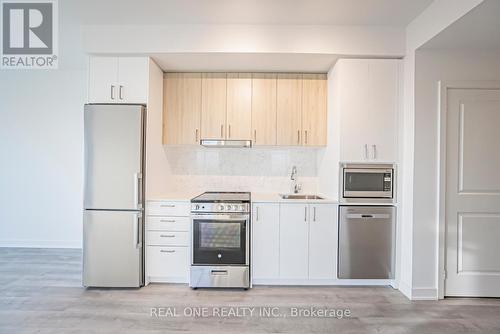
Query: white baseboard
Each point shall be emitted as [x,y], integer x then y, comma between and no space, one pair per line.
[333,282]
[424,294]
[405,289]
[29,243]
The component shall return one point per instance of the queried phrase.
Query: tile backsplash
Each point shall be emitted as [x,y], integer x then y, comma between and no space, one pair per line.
[238,169]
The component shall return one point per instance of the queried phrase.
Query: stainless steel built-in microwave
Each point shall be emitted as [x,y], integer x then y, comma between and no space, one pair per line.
[367,183]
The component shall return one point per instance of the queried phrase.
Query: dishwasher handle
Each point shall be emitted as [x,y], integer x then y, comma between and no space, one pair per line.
[368,216]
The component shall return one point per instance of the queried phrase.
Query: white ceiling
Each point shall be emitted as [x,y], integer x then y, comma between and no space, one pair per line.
[477,30]
[317,12]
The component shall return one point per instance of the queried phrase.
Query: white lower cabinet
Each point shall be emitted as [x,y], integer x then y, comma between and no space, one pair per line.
[322,241]
[294,230]
[294,243]
[265,241]
[168,241]
[169,264]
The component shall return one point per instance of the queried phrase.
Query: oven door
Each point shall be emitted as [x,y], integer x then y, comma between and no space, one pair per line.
[368,183]
[220,239]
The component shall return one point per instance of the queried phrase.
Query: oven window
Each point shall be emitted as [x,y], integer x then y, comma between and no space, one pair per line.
[217,235]
[364,181]
[219,241]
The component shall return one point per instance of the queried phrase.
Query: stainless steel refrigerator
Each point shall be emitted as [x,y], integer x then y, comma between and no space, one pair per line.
[113,233]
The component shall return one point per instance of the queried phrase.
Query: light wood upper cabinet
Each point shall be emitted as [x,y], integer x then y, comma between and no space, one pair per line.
[314,116]
[289,109]
[269,109]
[264,108]
[213,106]
[239,105]
[182,108]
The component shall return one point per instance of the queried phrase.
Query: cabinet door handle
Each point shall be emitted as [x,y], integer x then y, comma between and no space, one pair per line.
[167,251]
[257,214]
[255,135]
[314,214]
[366,151]
[229,131]
[305,213]
[167,221]
[167,205]
[112,92]
[306,137]
[298,136]
[222,131]
[167,235]
[120,92]
[374,151]
[196,136]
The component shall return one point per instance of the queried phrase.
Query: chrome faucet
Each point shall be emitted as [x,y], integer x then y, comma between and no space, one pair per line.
[296,187]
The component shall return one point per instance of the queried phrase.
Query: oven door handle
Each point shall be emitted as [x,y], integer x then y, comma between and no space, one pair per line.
[221,217]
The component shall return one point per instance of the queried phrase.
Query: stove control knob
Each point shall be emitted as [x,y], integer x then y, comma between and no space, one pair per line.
[197,207]
[221,207]
[229,207]
[242,207]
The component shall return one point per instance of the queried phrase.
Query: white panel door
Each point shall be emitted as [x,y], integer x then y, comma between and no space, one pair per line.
[294,240]
[322,241]
[265,241]
[133,77]
[473,193]
[103,77]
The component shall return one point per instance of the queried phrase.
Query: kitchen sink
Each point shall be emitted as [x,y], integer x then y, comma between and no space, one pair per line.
[299,196]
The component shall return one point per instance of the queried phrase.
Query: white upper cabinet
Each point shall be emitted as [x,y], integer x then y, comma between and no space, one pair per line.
[118,79]
[368,93]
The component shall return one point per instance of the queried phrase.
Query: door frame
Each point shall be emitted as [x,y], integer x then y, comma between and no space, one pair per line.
[444,86]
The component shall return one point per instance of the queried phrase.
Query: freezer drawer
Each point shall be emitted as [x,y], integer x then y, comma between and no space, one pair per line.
[366,242]
[112,249]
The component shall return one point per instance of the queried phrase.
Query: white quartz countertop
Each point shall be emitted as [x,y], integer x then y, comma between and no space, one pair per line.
[256,197]
[276,198]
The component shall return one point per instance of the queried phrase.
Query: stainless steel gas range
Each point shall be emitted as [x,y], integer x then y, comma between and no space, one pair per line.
[220,240]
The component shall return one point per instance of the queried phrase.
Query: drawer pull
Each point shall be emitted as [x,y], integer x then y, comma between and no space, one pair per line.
[167,235]
[167,221]
[167,251]
[167,205]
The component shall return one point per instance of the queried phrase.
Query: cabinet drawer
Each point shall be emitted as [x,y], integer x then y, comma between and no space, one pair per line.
[164,238]
[155,223]
[164,208]
[168,262]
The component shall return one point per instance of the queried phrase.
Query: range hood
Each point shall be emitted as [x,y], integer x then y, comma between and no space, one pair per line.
[226,143]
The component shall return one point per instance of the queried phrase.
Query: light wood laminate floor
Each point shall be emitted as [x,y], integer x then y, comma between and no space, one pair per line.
[40,292]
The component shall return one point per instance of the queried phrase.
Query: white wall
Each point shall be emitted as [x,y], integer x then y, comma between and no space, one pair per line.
[432,66]
[41,147]
[178,38]
[434,19]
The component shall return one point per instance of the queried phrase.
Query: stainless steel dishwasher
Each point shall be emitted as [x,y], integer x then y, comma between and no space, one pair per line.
[366,242]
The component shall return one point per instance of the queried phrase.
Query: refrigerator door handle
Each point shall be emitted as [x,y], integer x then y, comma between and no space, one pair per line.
[138,230]
[138,190]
